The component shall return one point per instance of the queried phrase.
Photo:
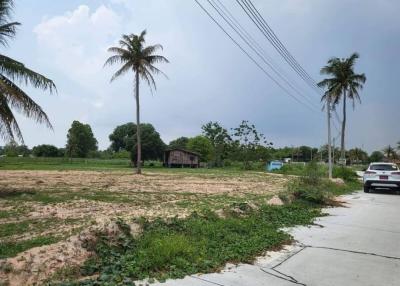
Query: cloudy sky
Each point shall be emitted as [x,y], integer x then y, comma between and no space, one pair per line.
[209,78]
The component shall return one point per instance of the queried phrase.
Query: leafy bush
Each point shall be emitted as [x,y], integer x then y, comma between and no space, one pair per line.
[344,173]
[314,187]
[311,187]
[317,194]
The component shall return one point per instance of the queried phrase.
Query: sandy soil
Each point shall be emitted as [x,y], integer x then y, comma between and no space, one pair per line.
[150,182]
[82,199]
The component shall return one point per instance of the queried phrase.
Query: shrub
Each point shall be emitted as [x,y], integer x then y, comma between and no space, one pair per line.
[311,187]
[291,169]
[344,173]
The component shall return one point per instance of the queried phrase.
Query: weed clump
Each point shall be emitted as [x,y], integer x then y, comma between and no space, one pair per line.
[200,243]
[347,174]
[311,187]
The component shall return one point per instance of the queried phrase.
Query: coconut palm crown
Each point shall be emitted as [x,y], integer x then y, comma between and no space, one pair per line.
[344,83]
[12,74]
[133,56]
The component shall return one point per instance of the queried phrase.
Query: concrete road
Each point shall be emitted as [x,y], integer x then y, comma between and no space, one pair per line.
[355,245]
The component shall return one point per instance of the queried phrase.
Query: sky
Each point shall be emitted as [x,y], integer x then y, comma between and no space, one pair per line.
[209,78]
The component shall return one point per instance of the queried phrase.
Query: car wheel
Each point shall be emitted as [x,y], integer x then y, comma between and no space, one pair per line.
[366,189]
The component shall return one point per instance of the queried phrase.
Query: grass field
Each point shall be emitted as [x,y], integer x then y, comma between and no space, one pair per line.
[50,208]
[27,163]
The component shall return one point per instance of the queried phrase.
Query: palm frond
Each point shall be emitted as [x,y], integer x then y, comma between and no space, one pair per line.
[113,60]
[156,59]
[7,31]
[148,77]
[6,8]
[150,50]
[8,123]
[352,59]
[20,101]
[125,68]
[17,71]
[153,69]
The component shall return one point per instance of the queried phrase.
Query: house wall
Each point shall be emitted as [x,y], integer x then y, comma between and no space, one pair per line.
[182,158]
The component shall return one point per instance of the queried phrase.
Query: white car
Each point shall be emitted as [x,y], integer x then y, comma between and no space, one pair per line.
[381,175]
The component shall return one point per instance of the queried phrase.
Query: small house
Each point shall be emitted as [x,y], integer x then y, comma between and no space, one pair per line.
[181,158]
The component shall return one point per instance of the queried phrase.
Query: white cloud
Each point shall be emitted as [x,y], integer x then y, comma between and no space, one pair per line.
[76,45]
[77,40]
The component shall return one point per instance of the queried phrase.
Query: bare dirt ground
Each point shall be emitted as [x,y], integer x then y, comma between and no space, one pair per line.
[58,205]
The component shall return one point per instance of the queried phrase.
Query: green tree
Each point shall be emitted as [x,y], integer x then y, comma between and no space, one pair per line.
[344,83]
[306,153]
[202,145]
[45,150]
[12,149]
[220,139]
[80,140]
[390,152]
[357,155]
[12,71]
[120,136]
[376,156]
[179,143]
[152,145]
[134,56]
[246,143]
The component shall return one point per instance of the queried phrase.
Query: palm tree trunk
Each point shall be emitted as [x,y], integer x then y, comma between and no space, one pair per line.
[342,147]
[139,143]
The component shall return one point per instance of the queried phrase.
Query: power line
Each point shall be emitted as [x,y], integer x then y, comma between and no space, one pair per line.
[251,39]
[248,55]
[234,27]
[252,12]
[249,8]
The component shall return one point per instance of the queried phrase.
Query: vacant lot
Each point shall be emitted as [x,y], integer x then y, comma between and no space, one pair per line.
[51,207]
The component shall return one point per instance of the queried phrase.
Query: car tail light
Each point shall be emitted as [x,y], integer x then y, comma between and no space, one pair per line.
[369,173]
[396,173]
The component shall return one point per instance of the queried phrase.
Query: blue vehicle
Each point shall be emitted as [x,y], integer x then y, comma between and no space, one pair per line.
[274,165]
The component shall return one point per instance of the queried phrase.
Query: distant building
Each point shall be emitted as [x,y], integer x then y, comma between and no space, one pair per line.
[274,165]
[181,158]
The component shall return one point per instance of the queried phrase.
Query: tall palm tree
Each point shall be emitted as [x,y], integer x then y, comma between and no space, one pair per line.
[13,72]
[344,83]
[134,56]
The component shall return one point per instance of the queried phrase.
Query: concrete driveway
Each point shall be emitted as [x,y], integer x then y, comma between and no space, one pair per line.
[355,245]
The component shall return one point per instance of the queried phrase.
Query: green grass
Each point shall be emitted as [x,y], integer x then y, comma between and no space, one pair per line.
[346,173]
[31,225]
[200,243]
[26,163]
[63,164]
[10,249]
[11,246]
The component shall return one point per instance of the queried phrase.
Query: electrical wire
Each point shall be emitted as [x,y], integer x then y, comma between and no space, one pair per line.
[228,19]
[252,12]
[249,56]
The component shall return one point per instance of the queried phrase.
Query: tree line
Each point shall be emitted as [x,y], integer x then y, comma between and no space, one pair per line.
[216,145]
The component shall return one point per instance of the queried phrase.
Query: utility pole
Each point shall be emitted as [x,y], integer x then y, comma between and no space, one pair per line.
[328,109]
[292,153]
[333,150]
